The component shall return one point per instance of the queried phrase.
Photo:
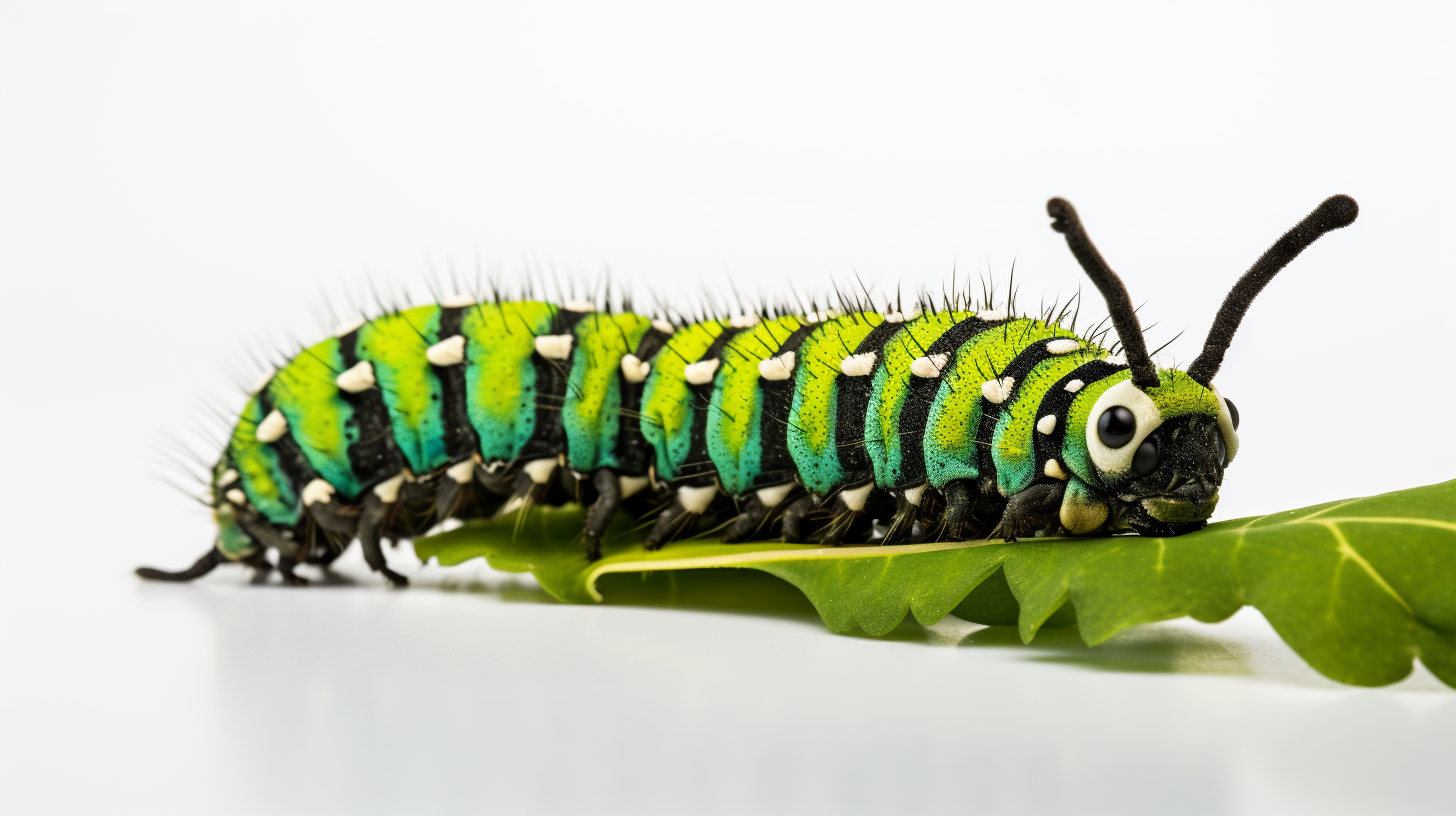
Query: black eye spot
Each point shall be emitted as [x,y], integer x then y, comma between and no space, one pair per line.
[1145,460]
[1222,449]
[1233,412]
[1116,426]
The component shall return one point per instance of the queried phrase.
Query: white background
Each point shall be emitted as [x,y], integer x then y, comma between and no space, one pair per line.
[180,183]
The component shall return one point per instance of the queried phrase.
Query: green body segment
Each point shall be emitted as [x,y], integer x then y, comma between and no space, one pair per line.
[667,400]
[594,388]
[734,427]
[882,438]
[500,376]
[395,346]
[814,413]
[260,474]
[318,417]
[1012,443]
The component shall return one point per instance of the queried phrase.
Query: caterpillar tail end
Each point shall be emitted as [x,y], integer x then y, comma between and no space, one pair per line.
[203,566]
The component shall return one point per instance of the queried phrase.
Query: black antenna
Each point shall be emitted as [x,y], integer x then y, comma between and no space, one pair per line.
[1119,305]
[1333,213]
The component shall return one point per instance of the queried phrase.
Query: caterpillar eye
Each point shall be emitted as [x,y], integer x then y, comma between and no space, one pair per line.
[1116,426]
[1146,459]
[1221,448]
[1233,412]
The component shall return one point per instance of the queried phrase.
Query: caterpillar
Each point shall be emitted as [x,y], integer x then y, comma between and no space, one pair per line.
[911,423]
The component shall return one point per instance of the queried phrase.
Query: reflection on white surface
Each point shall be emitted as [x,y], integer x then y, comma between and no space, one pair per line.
[472,691]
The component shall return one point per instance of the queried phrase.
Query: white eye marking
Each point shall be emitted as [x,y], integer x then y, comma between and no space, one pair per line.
[1146,417]
[272,428]
[462,472]
[447,352]
[774,496]
[701,372]
[991,315]
[237,497]
[317,491]
[349,326]
[1053,469]
[631,485]
[744,321]
[902,317]
[696,499]
[913,495]
[663,326]
[388,490]
[633,369]
[1064,345]
[457,301]
[929,366]
[583,306]
[858,365]
[554,346]
[1226,426]
[540,470]
[855,498]
[1074,386]
[1047,424]
[997,391]
[358,379]
[777,368]
[228,477]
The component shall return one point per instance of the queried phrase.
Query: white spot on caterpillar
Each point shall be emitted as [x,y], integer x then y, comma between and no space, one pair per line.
[774,496]
[317,491]
[554,346]
[272,428]
[777,368]
[929,366]
[462,472]
[901,317]
[663,326]
[447,352]
[228,477]
[388,490]
[858,365]
[237,497]
[262,382]
[633,369]
[701,372]
[696,499]
[820,317]
[1047,424]
[349,326]
[631,485]
[1116,359]
[1053,469]
[1074,386]
[855,498]
[997,391]
[744,321]
[540,470]
[357,379]
[1064,345]
[583,306]
[457,301]
[991,315]
[913,495]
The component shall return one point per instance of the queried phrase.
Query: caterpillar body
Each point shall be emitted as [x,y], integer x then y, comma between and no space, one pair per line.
[908,424]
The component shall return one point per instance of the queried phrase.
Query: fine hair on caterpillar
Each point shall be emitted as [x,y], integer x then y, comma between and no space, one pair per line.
[846,422]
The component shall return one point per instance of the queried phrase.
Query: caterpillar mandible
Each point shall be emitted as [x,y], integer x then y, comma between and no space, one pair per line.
[908,424]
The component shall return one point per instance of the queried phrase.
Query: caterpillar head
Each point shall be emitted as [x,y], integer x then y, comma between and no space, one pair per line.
[1157,442]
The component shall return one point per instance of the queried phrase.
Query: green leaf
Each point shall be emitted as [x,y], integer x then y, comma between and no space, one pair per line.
[1359,588]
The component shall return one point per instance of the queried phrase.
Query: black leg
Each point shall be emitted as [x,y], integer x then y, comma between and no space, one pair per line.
[371,520]
[959,521]
[1034,508]
[794,518]
[201,567]
[609,498]
[286,565]
[668,525]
